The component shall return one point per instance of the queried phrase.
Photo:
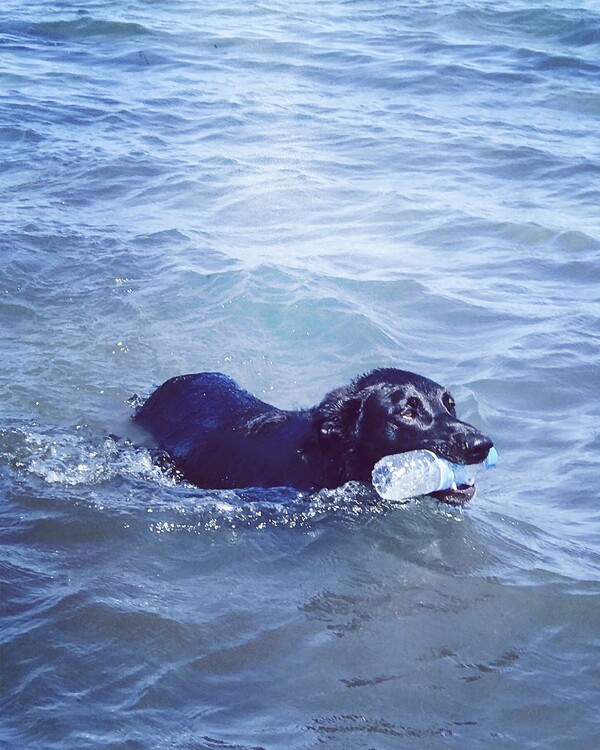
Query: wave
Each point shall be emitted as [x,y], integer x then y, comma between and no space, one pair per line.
[133,481]
[87,26]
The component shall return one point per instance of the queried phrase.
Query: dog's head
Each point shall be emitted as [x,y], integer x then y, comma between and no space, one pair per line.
[392,411]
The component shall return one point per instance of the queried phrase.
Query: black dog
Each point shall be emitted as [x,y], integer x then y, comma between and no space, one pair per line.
[221,436]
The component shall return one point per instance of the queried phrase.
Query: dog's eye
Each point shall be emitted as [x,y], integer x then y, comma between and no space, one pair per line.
[449,402]
[411,409]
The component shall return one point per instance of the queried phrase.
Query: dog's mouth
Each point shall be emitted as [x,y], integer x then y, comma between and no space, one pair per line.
[457,495]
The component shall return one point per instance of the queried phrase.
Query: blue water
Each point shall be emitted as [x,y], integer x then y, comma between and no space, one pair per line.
[294,193]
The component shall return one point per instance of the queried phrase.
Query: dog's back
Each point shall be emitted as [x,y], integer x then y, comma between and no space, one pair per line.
[221,436]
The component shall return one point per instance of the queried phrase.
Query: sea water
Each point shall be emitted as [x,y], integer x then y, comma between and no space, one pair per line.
[294,193]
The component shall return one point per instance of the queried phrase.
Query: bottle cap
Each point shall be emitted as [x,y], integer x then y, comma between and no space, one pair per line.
[492,458]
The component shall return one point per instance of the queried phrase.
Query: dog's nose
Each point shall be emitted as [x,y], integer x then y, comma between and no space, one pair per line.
[477,447]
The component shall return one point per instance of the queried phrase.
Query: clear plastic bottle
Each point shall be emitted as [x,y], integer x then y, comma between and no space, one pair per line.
[406,475]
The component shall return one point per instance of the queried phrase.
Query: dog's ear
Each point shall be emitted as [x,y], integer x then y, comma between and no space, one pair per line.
[339,422]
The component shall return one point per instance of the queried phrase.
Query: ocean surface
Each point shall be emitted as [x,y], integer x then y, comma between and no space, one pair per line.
[294,193]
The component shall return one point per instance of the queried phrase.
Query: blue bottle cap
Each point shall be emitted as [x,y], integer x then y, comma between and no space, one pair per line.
[492,458]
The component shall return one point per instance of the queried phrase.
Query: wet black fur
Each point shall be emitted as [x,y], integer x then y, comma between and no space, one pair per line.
[219,435]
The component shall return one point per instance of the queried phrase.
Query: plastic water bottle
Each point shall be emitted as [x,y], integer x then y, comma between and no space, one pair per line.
[405,475]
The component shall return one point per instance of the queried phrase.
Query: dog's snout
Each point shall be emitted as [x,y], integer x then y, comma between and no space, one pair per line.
[477,448]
